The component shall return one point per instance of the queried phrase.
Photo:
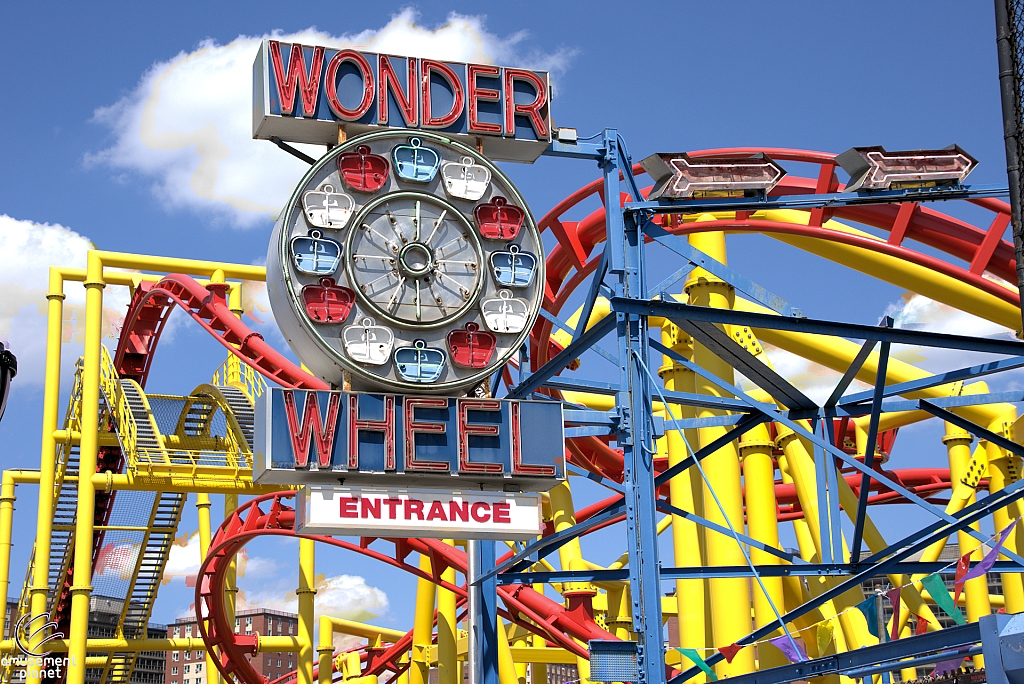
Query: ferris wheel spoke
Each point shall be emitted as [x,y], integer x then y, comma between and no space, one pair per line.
[462,291]
[399,289]
[393,224]
[437,224]
[438,301]
[392,246]
[365,286]
[461,238]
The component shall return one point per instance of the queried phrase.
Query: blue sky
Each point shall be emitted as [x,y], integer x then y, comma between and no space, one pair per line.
[670,76]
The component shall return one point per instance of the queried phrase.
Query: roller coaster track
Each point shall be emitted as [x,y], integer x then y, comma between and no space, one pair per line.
[269,516]
[570,263]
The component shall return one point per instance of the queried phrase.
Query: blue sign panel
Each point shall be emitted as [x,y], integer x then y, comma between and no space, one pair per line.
[302,93]
[307,436]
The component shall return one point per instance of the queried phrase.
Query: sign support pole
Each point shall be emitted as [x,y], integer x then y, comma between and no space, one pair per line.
[483,615]
[626,261]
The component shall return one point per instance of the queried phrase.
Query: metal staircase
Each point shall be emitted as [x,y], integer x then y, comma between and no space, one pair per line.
[144,522]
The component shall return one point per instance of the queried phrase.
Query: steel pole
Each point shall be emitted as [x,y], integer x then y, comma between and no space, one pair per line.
[1009,89]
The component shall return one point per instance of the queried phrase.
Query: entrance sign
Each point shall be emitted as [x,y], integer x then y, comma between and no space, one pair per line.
[306,437]
[394,512]
[301,93]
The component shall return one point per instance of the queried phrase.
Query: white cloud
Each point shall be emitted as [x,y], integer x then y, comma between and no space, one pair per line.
[264,582]
[27,250]
[271,586]
[188,127]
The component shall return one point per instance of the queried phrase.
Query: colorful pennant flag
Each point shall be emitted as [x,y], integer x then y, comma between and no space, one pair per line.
[699,662]
[962,567]
[729,651]
[870,609]
[894,601]
[824,633]
[990,558]
[790,648]
[937,588]
[922,626]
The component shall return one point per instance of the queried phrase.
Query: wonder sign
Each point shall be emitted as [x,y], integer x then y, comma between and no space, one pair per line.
[302,93]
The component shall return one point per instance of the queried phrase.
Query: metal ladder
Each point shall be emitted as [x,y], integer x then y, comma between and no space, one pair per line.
[161,525]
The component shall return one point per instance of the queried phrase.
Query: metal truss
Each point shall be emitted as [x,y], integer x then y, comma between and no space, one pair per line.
[620,277]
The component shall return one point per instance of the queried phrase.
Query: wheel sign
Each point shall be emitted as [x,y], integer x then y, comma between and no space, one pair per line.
[392,264]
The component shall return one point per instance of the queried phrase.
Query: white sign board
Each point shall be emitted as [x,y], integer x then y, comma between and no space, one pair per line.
[405,512]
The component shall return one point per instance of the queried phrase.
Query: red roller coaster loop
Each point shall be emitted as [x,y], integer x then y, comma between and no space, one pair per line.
[269,516]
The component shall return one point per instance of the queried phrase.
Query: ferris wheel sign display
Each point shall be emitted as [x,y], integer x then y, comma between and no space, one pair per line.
[405,261]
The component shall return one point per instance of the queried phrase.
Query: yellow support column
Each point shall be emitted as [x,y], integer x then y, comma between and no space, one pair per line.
[88,448]
[763,525]
[447,630]
[958,447]
[729,596]
[230,579]
[47,458]
[306,592]
[423,627]
[570,555]
[203,504]
[6,528]
[686,492]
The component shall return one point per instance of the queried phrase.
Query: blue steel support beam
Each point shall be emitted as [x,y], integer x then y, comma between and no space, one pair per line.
[682,247]
[921,539]
[625,245]
[709,571]
[485,621]
[942,640]
[666,507]
[674,310]
[562,358]
[851,373]
[842,455]
[970,373]
[831,200]
[869,449]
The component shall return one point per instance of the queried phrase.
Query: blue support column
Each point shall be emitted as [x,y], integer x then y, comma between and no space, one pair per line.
[625,252]
[483,614]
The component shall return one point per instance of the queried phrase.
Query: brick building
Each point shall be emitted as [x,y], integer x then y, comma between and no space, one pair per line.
[189,667]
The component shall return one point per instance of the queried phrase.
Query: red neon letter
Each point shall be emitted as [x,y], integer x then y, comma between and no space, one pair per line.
[437,512]
[349,507]
[331,84]
[357,425]
[518,467]
[532,110]
[501,513]
[484,429]
[475,511]
[428,66]
[406,99]
[412,427]
[413,507]
[477,95]
[308,84]
[311,426]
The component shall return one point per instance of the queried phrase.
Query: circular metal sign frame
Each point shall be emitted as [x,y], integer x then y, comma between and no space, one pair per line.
[448,354]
